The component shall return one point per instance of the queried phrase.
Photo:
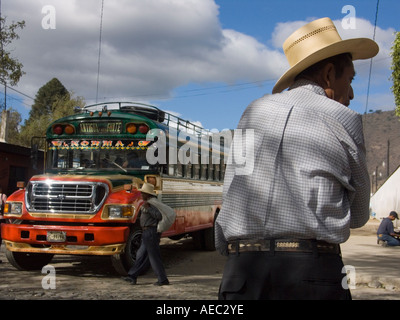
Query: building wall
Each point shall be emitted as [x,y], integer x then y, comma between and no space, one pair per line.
[16,165]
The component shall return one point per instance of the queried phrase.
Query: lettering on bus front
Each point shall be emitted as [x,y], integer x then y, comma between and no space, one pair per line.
[95,144]
[100,127]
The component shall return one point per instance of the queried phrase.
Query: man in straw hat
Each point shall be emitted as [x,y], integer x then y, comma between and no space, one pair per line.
[281,225]
[149,249]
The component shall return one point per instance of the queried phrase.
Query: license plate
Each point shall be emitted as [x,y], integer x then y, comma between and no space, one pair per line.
[56,236]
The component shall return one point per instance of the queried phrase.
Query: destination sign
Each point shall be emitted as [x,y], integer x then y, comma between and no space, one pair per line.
[99,144]
[100,127]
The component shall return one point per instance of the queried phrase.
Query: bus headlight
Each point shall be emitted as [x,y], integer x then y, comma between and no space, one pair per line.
[120,211]
[13,208]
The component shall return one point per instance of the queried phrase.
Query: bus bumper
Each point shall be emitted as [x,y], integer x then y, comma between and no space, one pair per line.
[84,240]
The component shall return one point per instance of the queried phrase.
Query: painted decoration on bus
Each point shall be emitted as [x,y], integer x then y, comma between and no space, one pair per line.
[99,144]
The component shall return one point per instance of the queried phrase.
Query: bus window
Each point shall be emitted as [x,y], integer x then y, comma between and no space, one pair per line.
[210,172]
[79,158]
[171,169]
[203,172]
[216,172]
[196,171]
[135,159]
[179,170]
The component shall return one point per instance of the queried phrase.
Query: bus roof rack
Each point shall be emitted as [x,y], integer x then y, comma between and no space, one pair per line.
[152,113]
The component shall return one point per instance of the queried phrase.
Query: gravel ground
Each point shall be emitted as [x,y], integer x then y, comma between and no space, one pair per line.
[193,274]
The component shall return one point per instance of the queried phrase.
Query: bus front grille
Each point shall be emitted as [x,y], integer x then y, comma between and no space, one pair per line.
[65,197]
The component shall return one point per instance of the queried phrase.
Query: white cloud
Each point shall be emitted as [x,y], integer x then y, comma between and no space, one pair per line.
[149,48]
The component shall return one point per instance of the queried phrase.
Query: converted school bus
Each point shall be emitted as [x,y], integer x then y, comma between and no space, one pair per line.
[87,201]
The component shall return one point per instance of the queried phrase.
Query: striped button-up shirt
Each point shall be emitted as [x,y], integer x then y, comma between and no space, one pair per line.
[308,177]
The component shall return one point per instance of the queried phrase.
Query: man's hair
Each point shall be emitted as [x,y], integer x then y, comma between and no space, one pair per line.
[339,61]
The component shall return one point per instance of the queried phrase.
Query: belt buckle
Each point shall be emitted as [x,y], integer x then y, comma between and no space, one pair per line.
[287,245]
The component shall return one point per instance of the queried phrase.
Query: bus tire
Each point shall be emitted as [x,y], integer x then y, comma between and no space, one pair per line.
[204,239]
[26,261]
[124,261]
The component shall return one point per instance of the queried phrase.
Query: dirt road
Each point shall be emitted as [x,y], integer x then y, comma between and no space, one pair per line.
[193,274]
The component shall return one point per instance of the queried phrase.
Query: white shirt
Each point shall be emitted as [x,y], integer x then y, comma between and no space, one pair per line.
[309,180]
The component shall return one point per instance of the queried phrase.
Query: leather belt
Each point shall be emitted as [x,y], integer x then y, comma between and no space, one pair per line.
[283,245]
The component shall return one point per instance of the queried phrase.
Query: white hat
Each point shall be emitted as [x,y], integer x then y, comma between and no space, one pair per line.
[315,42]
[148,188]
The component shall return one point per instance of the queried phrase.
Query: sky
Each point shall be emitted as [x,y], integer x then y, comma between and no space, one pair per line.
[203,60]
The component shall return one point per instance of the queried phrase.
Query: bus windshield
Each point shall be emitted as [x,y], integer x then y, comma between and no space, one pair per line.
[83,155]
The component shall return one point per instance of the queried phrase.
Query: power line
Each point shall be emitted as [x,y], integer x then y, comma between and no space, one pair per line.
[370,65]
[98,61]
[21,93]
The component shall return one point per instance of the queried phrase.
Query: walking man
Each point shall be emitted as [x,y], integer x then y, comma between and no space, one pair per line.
[150,246]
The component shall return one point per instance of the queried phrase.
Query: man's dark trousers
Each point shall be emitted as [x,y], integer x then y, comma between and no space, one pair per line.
[282,276]
[149,250]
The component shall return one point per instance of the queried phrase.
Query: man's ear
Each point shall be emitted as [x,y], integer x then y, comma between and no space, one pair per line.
[329,75]
[328,78]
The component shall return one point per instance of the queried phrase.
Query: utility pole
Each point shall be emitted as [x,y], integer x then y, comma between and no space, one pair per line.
[1,50]
[4,113]
[387,158]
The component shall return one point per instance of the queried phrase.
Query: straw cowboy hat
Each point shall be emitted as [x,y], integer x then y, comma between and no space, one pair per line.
[148,188]
[315,42]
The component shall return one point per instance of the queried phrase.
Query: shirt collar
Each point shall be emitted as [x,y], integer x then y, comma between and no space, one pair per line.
[308,85]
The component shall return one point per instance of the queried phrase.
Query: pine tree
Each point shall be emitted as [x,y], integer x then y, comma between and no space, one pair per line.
[46,97]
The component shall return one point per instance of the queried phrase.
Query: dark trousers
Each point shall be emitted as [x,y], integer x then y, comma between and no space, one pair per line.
[283,276]
[149,250]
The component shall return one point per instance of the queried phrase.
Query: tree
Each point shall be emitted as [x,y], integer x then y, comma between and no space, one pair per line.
[396,72]
[10,68]
[46,97]
[13,125]
[36,126]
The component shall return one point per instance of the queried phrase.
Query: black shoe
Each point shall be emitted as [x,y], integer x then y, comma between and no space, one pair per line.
[163,283]
[129,279]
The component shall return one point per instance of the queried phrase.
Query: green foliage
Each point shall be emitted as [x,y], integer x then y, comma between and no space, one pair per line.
[10,68]
[396,72]
[46,97]
[61,106]
[14,119]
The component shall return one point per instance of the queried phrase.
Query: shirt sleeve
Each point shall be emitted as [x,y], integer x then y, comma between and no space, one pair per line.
[359,197]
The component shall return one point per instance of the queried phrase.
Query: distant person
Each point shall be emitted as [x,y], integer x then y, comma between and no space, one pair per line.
[386,232]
